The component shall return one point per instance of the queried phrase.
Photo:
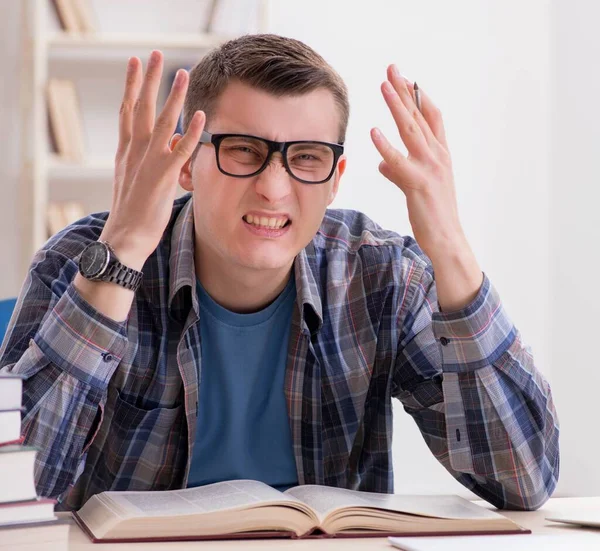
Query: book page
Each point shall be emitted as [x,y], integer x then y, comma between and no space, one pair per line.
[325,499]
[203,499]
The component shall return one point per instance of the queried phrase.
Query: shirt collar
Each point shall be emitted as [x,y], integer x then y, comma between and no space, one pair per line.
[307,289]
[183,273]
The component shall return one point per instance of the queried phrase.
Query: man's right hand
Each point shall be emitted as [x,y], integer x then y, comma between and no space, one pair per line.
[146,169]
[146,178]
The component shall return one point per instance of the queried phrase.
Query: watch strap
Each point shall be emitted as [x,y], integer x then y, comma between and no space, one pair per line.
[122,275]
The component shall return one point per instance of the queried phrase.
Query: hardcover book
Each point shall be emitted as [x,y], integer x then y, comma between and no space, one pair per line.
[251,509]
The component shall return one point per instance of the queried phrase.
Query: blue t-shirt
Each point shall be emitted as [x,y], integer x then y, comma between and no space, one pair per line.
[243,429]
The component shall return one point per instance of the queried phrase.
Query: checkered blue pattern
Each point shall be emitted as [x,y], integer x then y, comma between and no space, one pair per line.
[112,406]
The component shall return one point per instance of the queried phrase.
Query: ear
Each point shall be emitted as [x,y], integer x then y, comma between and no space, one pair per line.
[339,171]
[185,175]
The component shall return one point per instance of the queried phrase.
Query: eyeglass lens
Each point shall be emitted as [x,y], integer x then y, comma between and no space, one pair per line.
[242,156]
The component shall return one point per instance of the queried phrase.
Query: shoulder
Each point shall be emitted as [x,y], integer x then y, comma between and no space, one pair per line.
[352,250]
[353,233]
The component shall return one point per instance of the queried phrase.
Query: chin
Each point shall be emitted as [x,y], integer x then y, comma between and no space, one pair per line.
[265,261]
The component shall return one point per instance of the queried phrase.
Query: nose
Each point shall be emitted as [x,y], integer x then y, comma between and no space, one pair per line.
[274,183]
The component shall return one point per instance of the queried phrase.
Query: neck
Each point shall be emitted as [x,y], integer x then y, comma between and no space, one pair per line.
[242,290]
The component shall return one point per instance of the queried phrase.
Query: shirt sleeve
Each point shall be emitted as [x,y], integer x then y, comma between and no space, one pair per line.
[67,353]
[471,385]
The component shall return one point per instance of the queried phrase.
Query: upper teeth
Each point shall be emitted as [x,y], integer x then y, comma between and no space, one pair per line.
[264,221]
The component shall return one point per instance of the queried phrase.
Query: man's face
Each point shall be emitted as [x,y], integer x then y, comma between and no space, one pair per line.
[222,204]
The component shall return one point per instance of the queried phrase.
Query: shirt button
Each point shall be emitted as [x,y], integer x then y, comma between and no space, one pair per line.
[444,341]
[108,357]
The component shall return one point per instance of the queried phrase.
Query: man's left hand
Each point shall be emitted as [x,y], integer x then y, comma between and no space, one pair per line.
[426,179]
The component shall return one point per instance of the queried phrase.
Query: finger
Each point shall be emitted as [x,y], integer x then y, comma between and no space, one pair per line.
[167,120]
[405,92]
[409,130]
[145,111]
[397,167]
[186,146]
[387,171]
[133,83]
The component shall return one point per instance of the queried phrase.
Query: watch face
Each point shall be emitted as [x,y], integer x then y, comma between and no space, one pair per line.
[93,260]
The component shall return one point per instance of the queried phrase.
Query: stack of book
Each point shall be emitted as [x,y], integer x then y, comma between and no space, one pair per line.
[26,520]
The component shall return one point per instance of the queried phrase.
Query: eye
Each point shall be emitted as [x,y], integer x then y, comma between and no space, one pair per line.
[306,157]
[242,150]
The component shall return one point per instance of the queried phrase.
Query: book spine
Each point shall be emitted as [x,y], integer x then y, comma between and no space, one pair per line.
[18,442]
[67,15]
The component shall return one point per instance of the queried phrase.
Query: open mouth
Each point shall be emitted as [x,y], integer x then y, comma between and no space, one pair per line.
[264,223]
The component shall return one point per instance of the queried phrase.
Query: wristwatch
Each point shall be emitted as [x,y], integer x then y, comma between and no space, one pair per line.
[98,262]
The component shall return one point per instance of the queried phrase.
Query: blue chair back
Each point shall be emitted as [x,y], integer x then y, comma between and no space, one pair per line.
[6,309]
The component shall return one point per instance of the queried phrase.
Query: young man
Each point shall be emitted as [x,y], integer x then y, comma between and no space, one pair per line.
[267,335]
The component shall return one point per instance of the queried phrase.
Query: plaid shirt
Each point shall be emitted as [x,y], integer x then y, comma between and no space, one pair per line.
[113,406]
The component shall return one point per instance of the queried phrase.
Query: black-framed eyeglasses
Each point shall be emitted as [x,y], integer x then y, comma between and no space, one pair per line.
[243,156]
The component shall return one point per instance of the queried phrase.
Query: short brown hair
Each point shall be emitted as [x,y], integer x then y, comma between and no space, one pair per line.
[269,62]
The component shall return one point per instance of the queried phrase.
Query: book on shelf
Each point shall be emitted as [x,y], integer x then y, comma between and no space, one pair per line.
[73,120]
[66,127]
[85,15]
[60,215]
[250,509]
[75,16]
[211,16]
[67,16]
[56,118]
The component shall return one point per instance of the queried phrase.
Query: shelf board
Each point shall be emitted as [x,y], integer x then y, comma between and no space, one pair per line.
[134,40]
[90,169]
[116,46]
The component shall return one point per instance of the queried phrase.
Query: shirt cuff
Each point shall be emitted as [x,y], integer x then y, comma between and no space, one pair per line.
[475,336]
[81,341]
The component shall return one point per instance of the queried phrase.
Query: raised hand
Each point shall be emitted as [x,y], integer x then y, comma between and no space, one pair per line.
[146,169]
[425,175]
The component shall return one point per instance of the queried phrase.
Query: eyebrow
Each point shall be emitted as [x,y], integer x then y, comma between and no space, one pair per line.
[246,137]
[311,145]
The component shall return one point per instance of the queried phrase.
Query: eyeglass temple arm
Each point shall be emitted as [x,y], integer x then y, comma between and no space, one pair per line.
[205,137]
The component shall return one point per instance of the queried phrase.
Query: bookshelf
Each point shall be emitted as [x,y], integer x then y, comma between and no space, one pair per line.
[82,57]
[120,40]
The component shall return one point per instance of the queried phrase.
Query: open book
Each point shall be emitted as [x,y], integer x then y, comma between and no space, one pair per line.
[251,509]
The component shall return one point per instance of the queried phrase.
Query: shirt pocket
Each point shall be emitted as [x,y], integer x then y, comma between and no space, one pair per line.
[144,447]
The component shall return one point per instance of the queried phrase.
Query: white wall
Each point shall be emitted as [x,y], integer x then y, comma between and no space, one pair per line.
[486,65]
[523,146]
[574,238]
